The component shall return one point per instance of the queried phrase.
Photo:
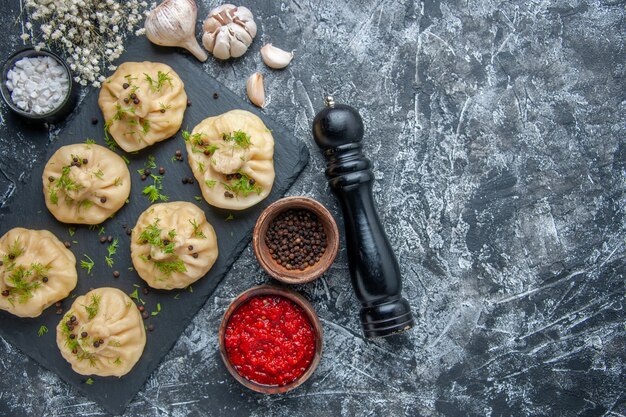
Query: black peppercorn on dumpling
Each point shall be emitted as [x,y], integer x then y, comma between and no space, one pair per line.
[36,271]
[232,157]
[102,333]
[142,103]
[85,183]
[173,245]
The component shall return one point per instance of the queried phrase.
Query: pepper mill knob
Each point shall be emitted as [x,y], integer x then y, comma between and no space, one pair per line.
[374,270]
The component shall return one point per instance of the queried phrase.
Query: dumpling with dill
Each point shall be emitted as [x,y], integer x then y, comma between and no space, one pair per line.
[102,333]
[173,245]
[85,183]
[232,157]
[142,103]
[36,271]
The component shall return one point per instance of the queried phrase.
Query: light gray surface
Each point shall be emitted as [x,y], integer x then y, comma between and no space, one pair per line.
[497,135]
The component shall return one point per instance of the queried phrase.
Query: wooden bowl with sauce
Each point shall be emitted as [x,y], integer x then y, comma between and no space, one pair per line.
[299,310]
[264,255]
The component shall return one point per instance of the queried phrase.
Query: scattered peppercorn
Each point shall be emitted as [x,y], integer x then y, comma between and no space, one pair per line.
[5,293]
[150,327]
[72,336]
[147,171]
[51,178]
[145,315]
[103,200]
[126,100]
[178,152]
[83,335]
[67,244]
[133,96]
[94,120]
[296,239]
[73,319]
[252,181]
[125,86]
[74,351]
[145,291]
[110,239]
[161,170]
[184,180]
[136,101]
[141,308]
[11,256]
[190,247]
[74,159]
[58,304]
[144,177]
[228,194]
[195,255]
[59,311]
[96,344]
[103,239]
[189,180]
[116,274]
[129,231]
[45,279]
[162,110]
[188,103]
[207,152]
[85,161]
[216,96]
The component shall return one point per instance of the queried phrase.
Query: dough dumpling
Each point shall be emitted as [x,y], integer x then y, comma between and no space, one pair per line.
[85,183]
[173,245]
[36,271]
[232,157]
[142,103]
[102,334]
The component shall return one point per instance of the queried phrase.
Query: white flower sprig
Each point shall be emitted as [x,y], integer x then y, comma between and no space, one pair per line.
[90,33]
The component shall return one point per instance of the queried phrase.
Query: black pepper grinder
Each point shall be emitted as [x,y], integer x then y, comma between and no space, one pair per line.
[338,130]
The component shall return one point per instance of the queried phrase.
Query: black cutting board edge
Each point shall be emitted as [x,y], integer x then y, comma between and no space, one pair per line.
[28,210]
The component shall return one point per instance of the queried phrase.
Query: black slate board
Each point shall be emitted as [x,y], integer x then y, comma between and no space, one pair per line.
[28,210]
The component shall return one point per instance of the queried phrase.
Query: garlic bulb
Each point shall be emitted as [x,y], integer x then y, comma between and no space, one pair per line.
[255,89]
[173,23]
[275,57]
[228,31]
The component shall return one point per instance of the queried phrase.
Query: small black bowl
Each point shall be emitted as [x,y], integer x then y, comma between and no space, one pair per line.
[66,106]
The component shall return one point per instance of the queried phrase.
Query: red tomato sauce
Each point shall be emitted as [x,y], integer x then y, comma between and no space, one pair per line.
[270,340]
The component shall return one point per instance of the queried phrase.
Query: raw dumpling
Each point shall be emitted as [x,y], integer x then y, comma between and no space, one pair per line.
[85,183]
[36,271]
[173,245]
[102,334]
[232,157]
[142,103]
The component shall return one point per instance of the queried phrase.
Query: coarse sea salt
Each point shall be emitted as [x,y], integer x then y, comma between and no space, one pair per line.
[38,85]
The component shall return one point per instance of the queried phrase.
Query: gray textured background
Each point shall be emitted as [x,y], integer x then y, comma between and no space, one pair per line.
[497,133]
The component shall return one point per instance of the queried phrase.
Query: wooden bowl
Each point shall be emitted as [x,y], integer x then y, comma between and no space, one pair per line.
[261,251]
[308,311]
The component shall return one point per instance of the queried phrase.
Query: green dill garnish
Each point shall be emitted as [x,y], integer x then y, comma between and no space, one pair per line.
[85,204]
[65,184]
[107,139]
[130,268]
[162,78]
[149,164]
[177,296]
[153,192]
[158,310]
[101,231]
[112,250]
[88,265]
[135,296]
[201,167]
[210,183]
[98,173]
[197,198]
[190,288]
[167,267]
[242,186]
[71,231]
[241,138]
[230,217]
[196,229]
[117,361]
[90,141]
[145,126]
[89,381]
[163,107]
[117,182]
[92,308]
[125,159]
[42,330]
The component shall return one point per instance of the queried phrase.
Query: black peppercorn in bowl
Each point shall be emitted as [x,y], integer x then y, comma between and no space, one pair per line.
[63,105]
[295,240]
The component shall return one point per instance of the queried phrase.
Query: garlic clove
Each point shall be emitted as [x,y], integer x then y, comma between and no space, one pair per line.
[275,57]
[221,49]
[236,22]
[173,23]
[256,90]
